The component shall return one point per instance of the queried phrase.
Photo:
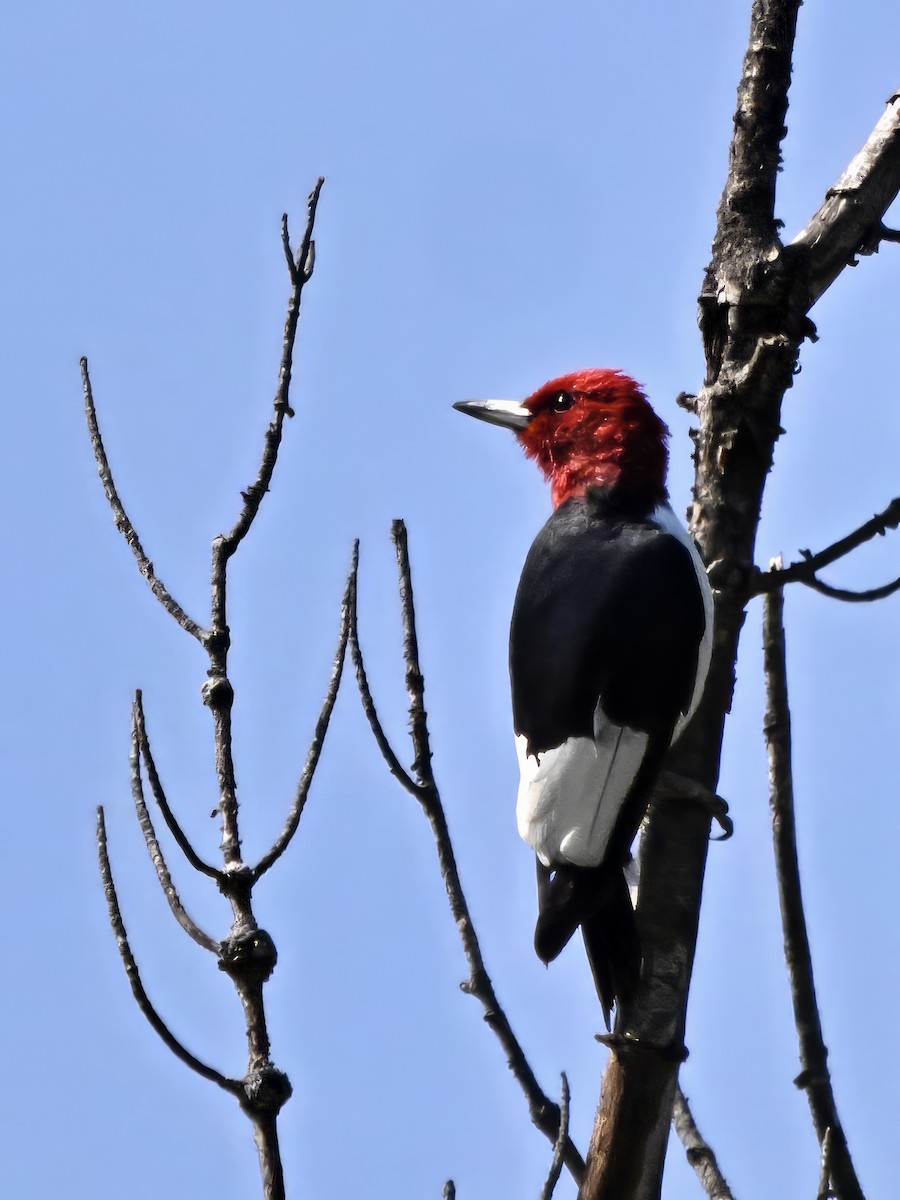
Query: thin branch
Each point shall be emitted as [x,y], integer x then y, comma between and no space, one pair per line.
[824,1190]
[265,1134]
[394,765]
[415,681]
[806,570]
[698,1151]
[234,1086]
[123,521]
[160,797]
[559,1149]
[300,272]
[248,954]
[286,246]
[544,1112]
[154,850]
[315,749]
[850,217]
[218,692]
[814,1076]
[870,594]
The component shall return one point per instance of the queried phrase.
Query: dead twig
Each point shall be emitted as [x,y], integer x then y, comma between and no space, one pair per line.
[218,693]
[559,1148]
[123,521]
[248,955]
[421,783]
[814,1077]
[315,748]
[806,570]
[396,768]
[698,1151]
[849,221]
[848,596]
[159,795]
[154,850]
[233,1086]
[301,272]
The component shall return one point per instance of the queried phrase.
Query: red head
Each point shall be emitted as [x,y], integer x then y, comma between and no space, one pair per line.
[589,429]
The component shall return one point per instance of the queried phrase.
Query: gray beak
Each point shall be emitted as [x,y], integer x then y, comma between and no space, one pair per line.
[509,413]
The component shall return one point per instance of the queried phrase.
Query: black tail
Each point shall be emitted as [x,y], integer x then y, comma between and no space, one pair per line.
[597,899]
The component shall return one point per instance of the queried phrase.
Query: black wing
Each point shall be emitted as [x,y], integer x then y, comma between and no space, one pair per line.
[608,609]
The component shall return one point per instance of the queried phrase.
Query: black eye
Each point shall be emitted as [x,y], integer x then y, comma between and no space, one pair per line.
[562,401]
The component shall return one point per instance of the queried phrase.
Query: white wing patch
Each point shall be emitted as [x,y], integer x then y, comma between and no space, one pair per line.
[569,800]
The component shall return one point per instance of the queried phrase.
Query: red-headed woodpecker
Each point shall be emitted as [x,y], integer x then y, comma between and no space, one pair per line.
[609,648]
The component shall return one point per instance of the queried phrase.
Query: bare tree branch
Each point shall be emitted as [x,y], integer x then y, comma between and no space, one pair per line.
[849,221]
[234,1086]
[825,1190]
[814,1076]
[387,751]
[746,213]
[218,693]
[153,848]
[870,594]
[248,955]
[754,316]
[315,749]
[123,521]
[559,1149]
[160,797]
[544,1112]
[698,1151]
[806,570]
[415,681]
[286,246]
[301,273]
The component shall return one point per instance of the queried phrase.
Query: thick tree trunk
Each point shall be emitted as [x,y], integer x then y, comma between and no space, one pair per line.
[753,316]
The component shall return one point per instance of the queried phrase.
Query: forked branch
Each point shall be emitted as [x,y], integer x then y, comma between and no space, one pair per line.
[754,316]
[814,1077]
[234,1086]
[123,521]
[315,748]
[420,782]
[849,222]
[248,955]
[218,692]
[301,269]
[806,570]
[559,1148]
[159,795]
[155,850]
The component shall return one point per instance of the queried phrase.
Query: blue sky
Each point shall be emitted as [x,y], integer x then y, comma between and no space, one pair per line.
[513,191]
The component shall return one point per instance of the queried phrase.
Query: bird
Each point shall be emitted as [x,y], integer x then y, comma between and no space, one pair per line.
[610,643]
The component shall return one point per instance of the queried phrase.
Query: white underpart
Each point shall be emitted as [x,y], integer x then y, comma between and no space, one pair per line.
[570,797]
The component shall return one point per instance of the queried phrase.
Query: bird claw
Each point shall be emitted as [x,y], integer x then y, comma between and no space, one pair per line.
[626,1043]
[678,788]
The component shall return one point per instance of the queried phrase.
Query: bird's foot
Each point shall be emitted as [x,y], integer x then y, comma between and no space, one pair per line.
[626,1043]
[670,786]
